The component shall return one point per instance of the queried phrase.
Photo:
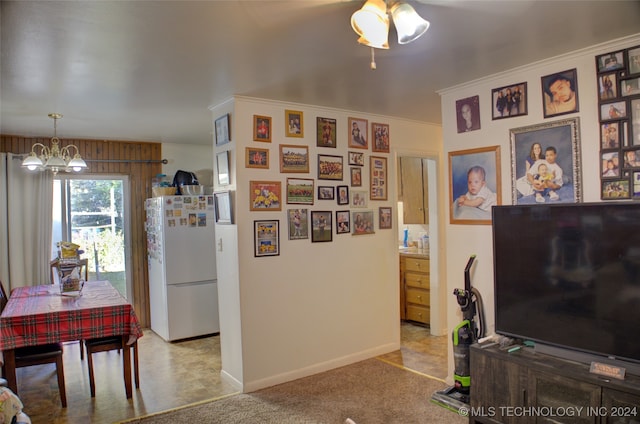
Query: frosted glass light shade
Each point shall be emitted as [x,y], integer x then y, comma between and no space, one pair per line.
[409,25]
[371,23]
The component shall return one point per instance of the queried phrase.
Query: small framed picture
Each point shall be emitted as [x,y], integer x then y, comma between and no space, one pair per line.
[610,167]
[262,128]
[610,133]
[342,222]
[468,114]
[380,137]
[635,122]
[358,133]
[610,61]
[356,177]
[294,123]
[632,159]
[633,55]
[615,110]
[266,238]
[378,178]
[223,133]
[222,167]
[358,198]
[615,189]
[326,193]
[384,215]
[560,93]
[362,222]
[330,167]
[223,207]
[607,86]
[256,158]
[322,228]
[294,158]
[630,87]
[265,195]
[509,101]
[356,158]
[298,223]
[343,194]
[636,185]
[326,132]
[300,191]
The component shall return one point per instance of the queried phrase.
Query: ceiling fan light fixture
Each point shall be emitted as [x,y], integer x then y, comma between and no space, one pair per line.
[409,25]
[371,23]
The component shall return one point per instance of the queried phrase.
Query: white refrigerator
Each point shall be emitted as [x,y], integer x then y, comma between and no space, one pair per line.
[183,292]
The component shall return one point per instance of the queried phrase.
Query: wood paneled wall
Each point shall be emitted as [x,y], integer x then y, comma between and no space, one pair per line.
[140,177]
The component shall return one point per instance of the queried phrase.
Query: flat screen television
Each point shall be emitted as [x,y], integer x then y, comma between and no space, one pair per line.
[567,276]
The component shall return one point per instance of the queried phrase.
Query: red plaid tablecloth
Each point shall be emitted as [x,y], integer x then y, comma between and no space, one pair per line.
[40,314]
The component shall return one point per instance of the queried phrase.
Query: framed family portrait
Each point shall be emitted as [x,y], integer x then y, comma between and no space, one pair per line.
[380,137]
[545,163]
[223,132]
[330,167]
[384,218]
[362,222]
[509,101]
[294,123]
[475,185]
[356,158]
[616,189]
[262,128]
[343,194]
[322,228]
[560,93]
[298,223]
[378,178]
[468,114]
[356,177]
[294,158]
[300,191]
[266,238]
[358,198]
[326,193]
[256,158]
[326,132]
[342,222]
[265,195]
[358,133]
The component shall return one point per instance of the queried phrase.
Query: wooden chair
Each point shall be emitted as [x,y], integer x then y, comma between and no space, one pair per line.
[38,355]
[103,344]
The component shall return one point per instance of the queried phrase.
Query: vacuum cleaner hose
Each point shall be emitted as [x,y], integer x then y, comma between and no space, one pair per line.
[480,311]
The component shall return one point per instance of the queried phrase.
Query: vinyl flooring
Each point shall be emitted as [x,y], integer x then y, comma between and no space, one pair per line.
[171,375]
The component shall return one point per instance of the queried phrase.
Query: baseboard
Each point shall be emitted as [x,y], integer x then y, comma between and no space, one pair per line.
[228,378]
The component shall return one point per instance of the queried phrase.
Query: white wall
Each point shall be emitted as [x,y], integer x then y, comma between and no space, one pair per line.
[464,240]
[316,306]
[186,157]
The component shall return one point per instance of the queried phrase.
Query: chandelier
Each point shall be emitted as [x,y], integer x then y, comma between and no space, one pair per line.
[54,158]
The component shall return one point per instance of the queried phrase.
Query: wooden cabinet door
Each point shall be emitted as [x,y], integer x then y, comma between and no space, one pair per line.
[620,407]
[413,189]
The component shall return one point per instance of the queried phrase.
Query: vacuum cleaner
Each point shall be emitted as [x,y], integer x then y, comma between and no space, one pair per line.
[464,335]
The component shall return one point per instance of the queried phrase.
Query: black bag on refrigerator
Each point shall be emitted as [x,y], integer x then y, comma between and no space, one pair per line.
[184,178]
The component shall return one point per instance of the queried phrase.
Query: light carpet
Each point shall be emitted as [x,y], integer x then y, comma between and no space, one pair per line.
[370,391]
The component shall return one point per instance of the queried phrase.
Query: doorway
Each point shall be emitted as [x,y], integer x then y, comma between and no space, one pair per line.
[93,212]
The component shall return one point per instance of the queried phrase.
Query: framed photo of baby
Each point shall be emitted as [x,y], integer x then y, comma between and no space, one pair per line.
[545,163]
[475,184]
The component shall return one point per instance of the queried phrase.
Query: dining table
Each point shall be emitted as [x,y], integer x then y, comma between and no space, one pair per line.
[41,314]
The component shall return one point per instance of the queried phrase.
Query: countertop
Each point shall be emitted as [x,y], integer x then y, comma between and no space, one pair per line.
[414,252]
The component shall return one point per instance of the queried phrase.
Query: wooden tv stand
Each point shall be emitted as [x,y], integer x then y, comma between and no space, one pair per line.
[529,387]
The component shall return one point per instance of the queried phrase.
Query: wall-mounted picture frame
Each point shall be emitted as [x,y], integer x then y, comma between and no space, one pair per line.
[633,58]
[298,223]
[266,237]
[294,159]
[343,194]
[343,222]
[362,222]
[321,226]
[265,195]
[223,131]
[635,122]
[610,135]
[378,178]
[630,87]
[385,215]
[380,137]
[358,133]
[262,128]
[255,157]
[356,177]
[300,191]
[326,193]
[631,159]
[607,86]
[635,176]
[326,132]
[358,198]
[223,207]
[330,167]
[468,114]
[356,158]
[559,145]
[610,165]
[509,101]
[475,184]
[615,189]
[222,168]
[610,61]
[615,110]
[294,123]
[560,93]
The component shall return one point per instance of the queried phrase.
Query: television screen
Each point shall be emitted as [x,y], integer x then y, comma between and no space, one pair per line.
[568,275]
